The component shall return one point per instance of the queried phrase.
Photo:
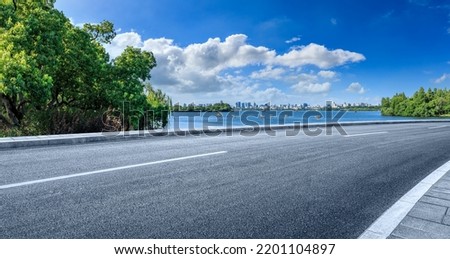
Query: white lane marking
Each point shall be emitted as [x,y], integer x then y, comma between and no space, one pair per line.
[438,127]
[366,134]
[8,186]
[392,217]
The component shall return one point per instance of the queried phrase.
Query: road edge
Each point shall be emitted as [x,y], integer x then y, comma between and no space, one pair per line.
[71,139]
[391,218]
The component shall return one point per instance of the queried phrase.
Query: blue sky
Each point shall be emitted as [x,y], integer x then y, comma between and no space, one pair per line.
[281,51]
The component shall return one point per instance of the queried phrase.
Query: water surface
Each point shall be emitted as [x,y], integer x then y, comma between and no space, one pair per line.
[200,120]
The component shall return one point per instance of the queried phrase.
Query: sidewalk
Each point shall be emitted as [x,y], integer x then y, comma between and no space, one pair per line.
[430,216]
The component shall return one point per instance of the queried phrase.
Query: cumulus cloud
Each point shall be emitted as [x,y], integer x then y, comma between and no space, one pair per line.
[311,84]
[232,53]
[356,87]
[121,41]
[199,67]
[271,94]
[327,74]
[442,78]
[318,55]
[312,88]
[205,67]
[268,73]
[245,89]
[258,95]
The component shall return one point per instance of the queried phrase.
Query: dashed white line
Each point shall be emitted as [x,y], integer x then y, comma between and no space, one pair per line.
[366,134]
[8,186]
[438,127]
[390,219]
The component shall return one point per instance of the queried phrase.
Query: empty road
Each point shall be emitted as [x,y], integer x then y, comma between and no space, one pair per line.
[217,187]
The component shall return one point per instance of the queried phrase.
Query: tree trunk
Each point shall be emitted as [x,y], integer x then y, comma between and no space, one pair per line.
[14,115]
[4,122]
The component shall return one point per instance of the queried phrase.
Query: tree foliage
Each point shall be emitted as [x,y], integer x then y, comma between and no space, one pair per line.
[217,107]
[103,32]
[30,43]
[430,103]
[51,69]
[160,105]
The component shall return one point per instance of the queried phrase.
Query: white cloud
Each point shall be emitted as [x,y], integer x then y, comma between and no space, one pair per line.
[333,21]
[318,55]
[270,95]
[207,67]
[311,84]
[312,88]
[442,78]
[257,95]
[232,53]
[244,89]
[327,74]
[356,87]
[293,39]
[199,67]
[121,41]
[268,73]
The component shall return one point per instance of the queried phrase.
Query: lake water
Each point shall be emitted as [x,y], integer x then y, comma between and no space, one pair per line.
[200,120]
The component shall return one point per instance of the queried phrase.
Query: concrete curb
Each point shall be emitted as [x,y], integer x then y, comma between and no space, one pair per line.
[392,218]
[70,139]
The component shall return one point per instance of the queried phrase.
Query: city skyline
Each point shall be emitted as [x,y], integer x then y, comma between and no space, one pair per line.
[347,51]
[300,105]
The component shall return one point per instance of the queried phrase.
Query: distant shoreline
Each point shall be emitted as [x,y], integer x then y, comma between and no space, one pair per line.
[296,110]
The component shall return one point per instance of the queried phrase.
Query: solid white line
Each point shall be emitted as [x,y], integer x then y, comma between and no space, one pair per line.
[392,217]
[8,186]
[366,134]
[438,127]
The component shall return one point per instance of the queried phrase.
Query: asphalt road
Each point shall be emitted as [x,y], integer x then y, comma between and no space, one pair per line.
[256,187]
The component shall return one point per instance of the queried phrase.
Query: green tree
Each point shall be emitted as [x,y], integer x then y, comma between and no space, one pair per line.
[30,44]
[131,69]
[430,103]
[20,5]
[159,106]
[51,70]
[103,32]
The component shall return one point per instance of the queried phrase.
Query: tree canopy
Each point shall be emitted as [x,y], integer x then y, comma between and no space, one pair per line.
[50,69]
[217,107]
[430,103]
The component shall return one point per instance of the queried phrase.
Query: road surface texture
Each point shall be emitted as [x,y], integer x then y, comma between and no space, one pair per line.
[239,187]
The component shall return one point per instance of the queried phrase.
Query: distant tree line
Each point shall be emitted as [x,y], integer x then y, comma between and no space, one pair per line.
[363,108]
[58,78]
[217,107]
[430,103]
